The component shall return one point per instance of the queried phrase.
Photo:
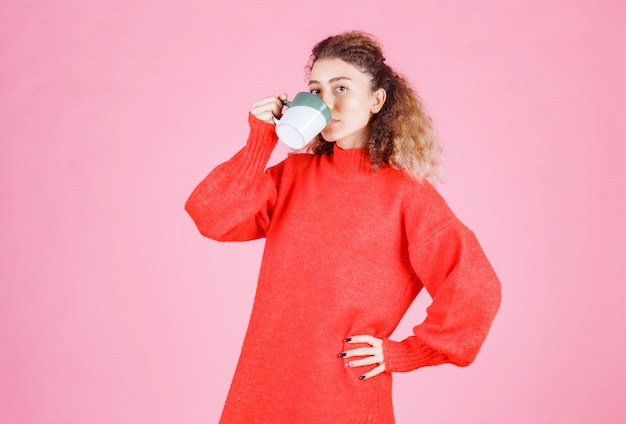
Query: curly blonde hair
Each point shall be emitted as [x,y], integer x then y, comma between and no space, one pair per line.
[401,133]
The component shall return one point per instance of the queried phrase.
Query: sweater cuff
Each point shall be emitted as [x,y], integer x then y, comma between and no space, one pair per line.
[409,355]
[261,142]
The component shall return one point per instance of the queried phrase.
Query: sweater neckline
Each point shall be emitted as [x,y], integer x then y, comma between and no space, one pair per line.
[351,161]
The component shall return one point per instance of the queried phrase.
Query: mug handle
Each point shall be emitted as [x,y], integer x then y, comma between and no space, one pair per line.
[285,103]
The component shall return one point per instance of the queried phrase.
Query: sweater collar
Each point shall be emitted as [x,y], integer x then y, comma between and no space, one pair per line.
[351,161]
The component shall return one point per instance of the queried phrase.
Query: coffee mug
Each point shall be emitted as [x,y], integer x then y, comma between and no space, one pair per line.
[305,117]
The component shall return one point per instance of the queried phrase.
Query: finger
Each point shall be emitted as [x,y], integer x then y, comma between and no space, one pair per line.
[267,108]
[265,101]
[365,339]
[362,351]
[266,116]
[271,102]
[373,373]
[370,360]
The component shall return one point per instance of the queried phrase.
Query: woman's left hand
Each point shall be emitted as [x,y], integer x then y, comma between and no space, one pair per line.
[373,355]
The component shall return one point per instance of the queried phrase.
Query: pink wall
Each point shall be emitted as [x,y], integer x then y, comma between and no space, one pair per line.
[113,309]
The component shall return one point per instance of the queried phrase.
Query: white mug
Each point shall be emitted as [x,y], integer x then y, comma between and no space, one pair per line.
[305,117]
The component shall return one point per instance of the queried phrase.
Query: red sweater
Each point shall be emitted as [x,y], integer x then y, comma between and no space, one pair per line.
[347,250]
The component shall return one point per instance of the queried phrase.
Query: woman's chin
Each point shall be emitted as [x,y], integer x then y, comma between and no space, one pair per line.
[328,137]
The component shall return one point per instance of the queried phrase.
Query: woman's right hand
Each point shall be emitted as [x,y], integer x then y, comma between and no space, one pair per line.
[269,107]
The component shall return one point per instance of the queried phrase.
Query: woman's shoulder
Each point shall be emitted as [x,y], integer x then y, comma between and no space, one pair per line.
[420,198]
[409,186]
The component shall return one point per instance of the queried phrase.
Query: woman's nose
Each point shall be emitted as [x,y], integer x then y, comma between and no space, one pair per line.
[328,100]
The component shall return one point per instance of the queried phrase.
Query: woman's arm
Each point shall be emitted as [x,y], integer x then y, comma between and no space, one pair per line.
[234,202]
[466,296]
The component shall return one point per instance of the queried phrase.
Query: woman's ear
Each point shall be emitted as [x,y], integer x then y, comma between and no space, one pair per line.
[378,100]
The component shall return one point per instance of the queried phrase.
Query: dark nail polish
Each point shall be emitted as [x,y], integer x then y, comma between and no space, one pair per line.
[361,377]
[349,339]
[342,355]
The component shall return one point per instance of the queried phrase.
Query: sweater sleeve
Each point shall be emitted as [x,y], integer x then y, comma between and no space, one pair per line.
[234,202]
[465,295]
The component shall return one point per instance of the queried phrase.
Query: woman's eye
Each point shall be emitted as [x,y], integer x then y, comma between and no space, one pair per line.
[341,89]
[315,91]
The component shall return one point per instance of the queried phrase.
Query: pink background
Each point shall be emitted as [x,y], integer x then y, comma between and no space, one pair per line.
[113,309]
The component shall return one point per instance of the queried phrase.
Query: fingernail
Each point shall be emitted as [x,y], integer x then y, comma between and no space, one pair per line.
[342,355]
[349,339]
[361,377]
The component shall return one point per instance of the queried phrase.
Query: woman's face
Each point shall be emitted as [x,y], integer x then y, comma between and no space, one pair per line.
[347,92]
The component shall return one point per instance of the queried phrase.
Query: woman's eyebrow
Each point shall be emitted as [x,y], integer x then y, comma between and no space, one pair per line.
[331,80]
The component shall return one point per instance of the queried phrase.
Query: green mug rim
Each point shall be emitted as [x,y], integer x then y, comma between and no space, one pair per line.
[304,98]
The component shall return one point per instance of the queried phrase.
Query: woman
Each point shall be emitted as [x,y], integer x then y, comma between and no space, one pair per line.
[353,231]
